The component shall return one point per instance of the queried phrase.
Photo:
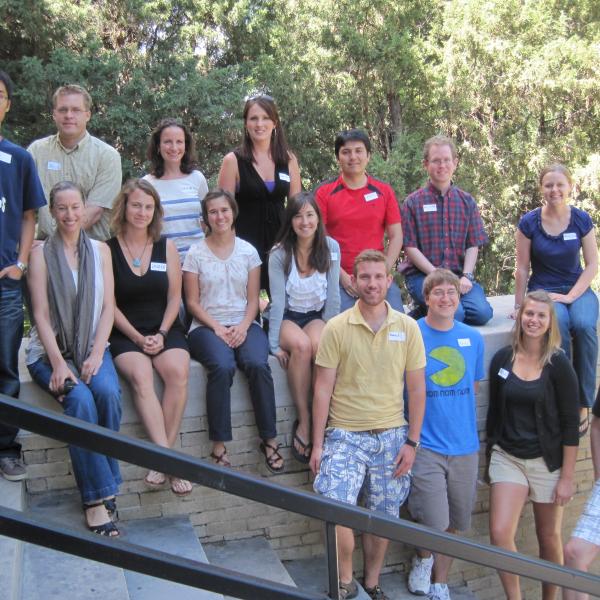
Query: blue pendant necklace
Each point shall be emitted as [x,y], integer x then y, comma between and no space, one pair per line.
[136,262]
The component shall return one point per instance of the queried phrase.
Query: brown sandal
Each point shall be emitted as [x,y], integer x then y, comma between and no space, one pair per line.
[273,458]
[221,459]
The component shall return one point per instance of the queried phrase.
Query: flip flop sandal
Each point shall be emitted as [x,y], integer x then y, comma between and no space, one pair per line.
[221,459]
[155,482]
[186,491]
[296,439]
[106,529]
[273,458]
[584,424]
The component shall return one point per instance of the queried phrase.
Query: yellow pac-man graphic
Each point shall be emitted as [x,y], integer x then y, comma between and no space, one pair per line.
[454,372]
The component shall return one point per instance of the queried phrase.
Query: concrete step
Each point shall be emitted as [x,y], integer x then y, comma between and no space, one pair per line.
[252,556]
[311,574]
[174,535]
[52,575]
[12,495]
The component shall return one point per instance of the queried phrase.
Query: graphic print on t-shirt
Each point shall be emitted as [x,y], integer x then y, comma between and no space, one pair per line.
[454,370]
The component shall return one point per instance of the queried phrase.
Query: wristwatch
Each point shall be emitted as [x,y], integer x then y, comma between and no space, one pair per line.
[412,444]
[469,276]
[22,266]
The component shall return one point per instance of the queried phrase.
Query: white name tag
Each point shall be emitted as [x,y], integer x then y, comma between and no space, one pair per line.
[569,236]
[464,342]
[334,256]
[284,177]
[5,157]
[397,336]
[371,196]
[503,373]
[54,166]
[429,207]
[158,266]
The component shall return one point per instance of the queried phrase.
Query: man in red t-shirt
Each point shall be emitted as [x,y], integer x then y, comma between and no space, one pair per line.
[358,210]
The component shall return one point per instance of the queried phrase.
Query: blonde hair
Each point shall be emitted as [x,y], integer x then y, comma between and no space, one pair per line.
[551,343]
[65,90]
[439,140]
[369,256]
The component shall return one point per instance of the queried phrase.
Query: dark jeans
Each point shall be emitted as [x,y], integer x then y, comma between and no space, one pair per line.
[98,402]
[220,361]
[473,308]
[11,334]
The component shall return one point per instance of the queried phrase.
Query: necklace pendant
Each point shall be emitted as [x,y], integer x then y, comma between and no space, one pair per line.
[137,263]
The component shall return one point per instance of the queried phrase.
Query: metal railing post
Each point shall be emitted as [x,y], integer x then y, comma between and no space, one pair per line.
[332,560]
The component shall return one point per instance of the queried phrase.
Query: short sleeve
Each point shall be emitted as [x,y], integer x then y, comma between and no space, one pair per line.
[527,224]
[253,258]
[582,221]
[392,210]
[321,198]
[328,355]
[415,348]
[191,262]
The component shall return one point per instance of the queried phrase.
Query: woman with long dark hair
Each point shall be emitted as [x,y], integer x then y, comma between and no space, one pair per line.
[532,434]
[262,172]
[304,268]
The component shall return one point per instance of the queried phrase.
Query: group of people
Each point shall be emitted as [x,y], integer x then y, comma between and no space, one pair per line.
[183,273]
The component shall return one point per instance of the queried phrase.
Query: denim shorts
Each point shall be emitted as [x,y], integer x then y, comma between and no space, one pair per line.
[353,459]
[302,319]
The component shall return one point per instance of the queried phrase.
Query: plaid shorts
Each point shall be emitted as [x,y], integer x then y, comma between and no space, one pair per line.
[588,526]
[353,458]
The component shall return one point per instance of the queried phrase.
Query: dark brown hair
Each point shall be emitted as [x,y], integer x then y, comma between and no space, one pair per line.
[319,257]
[188,161]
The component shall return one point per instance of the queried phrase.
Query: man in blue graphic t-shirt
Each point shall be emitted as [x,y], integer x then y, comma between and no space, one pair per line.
[445,469]
[20,194]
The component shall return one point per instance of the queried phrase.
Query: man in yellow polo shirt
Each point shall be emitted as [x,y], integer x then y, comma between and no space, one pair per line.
[360,435]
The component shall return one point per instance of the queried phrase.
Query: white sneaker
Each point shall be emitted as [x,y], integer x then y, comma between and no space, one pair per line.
[439,591]
[419,578]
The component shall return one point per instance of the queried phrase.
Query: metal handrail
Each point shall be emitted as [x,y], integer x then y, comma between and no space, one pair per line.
[146,454]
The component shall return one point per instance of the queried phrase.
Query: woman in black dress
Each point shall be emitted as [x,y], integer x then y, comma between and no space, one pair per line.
[147,334]
[262,172]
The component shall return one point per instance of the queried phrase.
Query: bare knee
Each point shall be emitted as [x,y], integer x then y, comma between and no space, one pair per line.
[576,555]
[301,347]
[500,535]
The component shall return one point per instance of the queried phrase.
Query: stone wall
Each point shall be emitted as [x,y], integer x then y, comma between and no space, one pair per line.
[218,516]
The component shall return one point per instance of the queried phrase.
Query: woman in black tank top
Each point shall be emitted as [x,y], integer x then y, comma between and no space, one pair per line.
[262,173]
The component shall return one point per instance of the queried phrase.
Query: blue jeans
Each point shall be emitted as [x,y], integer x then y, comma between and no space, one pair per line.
[11,334]
[577,323]
[220,361]
[394,297]
[98,402]
[473,308]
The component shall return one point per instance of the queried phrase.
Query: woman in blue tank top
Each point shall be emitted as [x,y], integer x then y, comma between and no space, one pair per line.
[550,242]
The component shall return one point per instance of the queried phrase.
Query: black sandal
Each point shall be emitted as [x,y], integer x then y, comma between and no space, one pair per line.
[584,424]
[273,458]
[304,446]
[108,529]
[221,460]
[111,508]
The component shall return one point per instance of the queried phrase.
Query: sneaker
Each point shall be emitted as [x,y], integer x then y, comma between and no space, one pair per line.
[12,468]
[419,578]
[439,591]
[376,593]
[348,590]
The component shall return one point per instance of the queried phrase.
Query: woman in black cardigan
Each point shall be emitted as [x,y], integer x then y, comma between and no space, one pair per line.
[532,434]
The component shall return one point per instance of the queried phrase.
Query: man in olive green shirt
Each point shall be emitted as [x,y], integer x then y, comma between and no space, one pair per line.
[72,154]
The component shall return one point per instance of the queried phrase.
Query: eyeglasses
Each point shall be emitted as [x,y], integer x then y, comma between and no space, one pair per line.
[66,111]
[451,293]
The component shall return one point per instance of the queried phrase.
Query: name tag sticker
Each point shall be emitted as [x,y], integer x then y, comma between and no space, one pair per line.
[284,177]
[397,336]
[54,166]
[371,196]
[429,207]
[569,236]
[155,266]
[464,342]
[5,157]
[503,373]
[334,256]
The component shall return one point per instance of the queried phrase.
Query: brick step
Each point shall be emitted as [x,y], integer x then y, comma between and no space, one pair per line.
[252,556]
[12,495]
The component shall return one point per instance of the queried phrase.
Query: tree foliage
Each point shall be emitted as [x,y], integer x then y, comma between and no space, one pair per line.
[515,82]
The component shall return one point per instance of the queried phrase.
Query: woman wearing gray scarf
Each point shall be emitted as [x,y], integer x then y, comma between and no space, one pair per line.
[72,296]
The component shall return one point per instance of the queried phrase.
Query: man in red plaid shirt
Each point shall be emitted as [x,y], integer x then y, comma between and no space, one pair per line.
[442,227]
